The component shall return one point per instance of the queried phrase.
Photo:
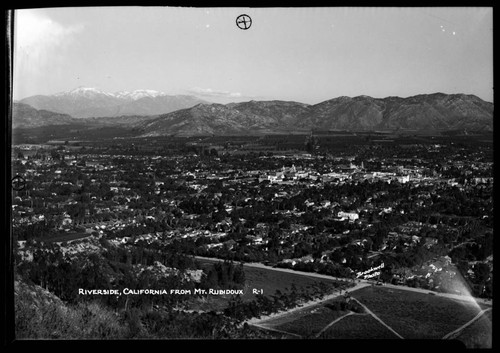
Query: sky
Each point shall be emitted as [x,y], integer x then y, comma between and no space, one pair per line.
[307,55]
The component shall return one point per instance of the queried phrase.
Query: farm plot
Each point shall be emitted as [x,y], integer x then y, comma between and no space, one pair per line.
[416,315]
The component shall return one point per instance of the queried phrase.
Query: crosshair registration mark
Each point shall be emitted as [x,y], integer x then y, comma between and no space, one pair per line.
[18,183]
[243,21]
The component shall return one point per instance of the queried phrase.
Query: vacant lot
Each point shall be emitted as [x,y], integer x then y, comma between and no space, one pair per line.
[416,315]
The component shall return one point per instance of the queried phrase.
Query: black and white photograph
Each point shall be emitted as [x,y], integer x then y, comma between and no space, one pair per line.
[252,173]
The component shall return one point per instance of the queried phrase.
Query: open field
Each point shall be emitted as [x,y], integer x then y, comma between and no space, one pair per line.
[478,334]
[66,237]
[47,133]
[308,323]
[270,280]
[267,280]
[358,326]
[416,315]
[412,315]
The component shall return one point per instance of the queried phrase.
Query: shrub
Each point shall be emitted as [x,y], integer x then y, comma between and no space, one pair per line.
[39,318]
[134,324]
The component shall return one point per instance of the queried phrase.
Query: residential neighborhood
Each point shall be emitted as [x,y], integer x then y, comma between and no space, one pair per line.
[336,214]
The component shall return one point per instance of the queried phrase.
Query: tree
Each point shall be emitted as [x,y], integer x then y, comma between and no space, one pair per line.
[239,274]
[462,266]
[55,155]
[223,274]
[481,273]
[211,279]
[94,273]
[379,238]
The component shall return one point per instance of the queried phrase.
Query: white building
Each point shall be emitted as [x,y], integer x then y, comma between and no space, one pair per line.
[403,179]
[349,215]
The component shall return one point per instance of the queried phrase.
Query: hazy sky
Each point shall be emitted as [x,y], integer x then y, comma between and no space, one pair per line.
[301,54]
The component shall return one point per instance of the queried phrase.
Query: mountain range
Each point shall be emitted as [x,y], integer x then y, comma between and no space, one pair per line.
[86,102]
[24,115]
[435,112]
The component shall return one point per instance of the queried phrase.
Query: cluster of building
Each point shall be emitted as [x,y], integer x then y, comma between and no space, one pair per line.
[115,203]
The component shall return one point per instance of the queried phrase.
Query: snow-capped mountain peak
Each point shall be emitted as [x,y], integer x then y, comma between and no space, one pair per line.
[84,102]
[138,94]
[88,92]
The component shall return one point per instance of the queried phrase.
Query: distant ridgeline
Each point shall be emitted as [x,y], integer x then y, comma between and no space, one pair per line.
[429,113]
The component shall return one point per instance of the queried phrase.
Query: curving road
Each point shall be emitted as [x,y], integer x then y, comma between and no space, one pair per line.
[467,298]
[456,332]
[256,320]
